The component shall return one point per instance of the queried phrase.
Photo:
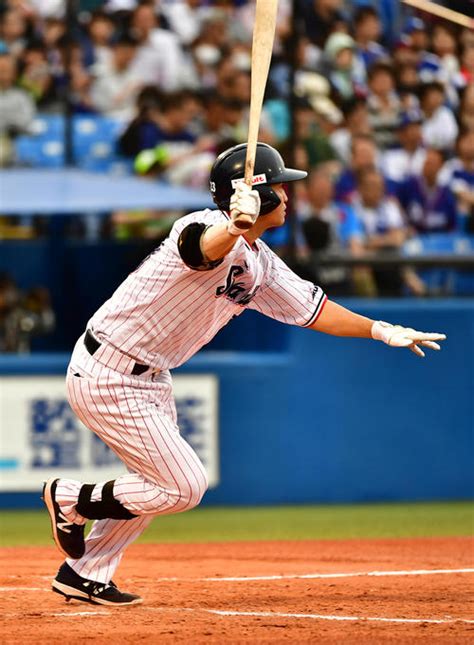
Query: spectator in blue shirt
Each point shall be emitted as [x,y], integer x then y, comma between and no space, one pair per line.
[367,34]
[429,206]
[458,174]
[363,157]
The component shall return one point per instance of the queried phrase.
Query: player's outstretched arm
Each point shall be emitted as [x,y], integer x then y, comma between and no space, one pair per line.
[339,321]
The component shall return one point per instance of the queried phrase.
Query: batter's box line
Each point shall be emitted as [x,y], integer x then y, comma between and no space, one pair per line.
[225,613]
[318,576]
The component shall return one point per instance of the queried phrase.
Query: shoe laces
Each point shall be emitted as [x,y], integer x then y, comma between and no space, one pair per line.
[94,588]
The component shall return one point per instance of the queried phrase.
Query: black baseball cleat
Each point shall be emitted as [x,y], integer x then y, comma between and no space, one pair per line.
[69,537]
[70,585]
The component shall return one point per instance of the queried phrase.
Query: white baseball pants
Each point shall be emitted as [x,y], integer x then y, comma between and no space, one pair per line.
[136,417]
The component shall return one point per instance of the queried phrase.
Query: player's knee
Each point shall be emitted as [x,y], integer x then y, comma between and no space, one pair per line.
[191,491]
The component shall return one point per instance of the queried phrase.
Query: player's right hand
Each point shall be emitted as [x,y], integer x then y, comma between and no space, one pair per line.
[398,336]
[244,209]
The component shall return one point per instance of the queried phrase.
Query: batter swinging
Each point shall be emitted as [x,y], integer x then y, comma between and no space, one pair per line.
[208,270]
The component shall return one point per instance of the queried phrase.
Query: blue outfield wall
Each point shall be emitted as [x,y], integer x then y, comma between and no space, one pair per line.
[337,420]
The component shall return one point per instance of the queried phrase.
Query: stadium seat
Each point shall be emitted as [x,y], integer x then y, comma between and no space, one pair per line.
[94,138]
[444,281]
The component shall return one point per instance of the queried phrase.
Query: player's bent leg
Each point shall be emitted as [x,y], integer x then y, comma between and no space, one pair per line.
[105,546]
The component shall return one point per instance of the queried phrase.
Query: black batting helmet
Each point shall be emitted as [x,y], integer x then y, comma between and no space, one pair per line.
[229,167]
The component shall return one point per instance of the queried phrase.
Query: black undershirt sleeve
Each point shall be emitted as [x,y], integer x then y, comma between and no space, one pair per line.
[189,247]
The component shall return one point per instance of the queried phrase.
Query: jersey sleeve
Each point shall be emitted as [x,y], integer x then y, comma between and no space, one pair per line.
[286,297]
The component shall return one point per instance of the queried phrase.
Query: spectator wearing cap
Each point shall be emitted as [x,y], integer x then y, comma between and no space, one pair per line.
[407,159]
[383,103]
[116,87]
[439,127]
[356,122]
[429,205]
[345,71]
[428,64]
[367,34]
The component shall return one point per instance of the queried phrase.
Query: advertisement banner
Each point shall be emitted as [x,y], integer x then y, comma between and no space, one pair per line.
[40,436]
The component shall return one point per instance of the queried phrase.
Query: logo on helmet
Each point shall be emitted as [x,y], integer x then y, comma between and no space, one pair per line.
[256,179]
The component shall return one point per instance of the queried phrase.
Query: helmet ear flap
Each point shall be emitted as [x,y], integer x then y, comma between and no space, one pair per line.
[268,197]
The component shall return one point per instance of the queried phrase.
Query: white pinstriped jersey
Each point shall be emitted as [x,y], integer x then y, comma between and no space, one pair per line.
[164,312]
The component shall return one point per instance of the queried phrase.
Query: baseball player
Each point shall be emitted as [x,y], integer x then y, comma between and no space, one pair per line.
[207,271]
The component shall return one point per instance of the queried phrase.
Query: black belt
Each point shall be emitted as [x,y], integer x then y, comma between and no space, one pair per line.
[92,345]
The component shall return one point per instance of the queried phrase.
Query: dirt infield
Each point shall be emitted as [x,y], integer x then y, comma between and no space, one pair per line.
[365,591]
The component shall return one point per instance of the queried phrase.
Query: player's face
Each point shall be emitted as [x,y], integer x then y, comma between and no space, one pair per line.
[277,216]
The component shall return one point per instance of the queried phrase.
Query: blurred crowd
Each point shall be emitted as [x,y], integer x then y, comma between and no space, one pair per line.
[383,112]
[23,315]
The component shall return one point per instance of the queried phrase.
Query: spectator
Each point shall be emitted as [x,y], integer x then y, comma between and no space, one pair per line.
[445,47]
[367,34]
[467,65]
[345,71]
[140,133]
[22,315]
[380,216]
[17,109]
[356,122]
[429,205]
[363,156]
[408,86]
[159,59]
[406,160]
[466,110]
[458,174]
[184,19]
[100,30]
[36,77]
[332,228]
[384,230]
[222,119]
[321,18]
[115,89]
[428,64]
[13,32]
[439,128]
[384,104]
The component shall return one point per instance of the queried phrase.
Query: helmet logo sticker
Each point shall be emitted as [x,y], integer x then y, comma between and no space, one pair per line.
[256,179]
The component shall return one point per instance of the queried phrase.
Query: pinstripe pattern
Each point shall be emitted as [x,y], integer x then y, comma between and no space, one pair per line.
[136,417]
[162,314]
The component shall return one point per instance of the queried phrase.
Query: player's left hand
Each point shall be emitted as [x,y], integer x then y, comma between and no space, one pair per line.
[398,336]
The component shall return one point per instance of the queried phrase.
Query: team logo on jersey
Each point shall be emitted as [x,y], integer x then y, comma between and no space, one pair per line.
[237,290]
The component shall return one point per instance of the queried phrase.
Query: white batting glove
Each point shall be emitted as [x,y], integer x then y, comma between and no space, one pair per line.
[244,209]
[398,336]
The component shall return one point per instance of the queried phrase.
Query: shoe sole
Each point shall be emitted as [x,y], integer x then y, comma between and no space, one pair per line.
[48,500]
[72,592]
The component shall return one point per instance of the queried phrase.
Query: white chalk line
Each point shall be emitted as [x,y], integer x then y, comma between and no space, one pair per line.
[277,614]
[23,589]
[226,613]
[318,576]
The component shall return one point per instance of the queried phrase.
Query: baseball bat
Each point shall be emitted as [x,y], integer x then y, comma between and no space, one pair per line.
[262,46]
[442,12]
